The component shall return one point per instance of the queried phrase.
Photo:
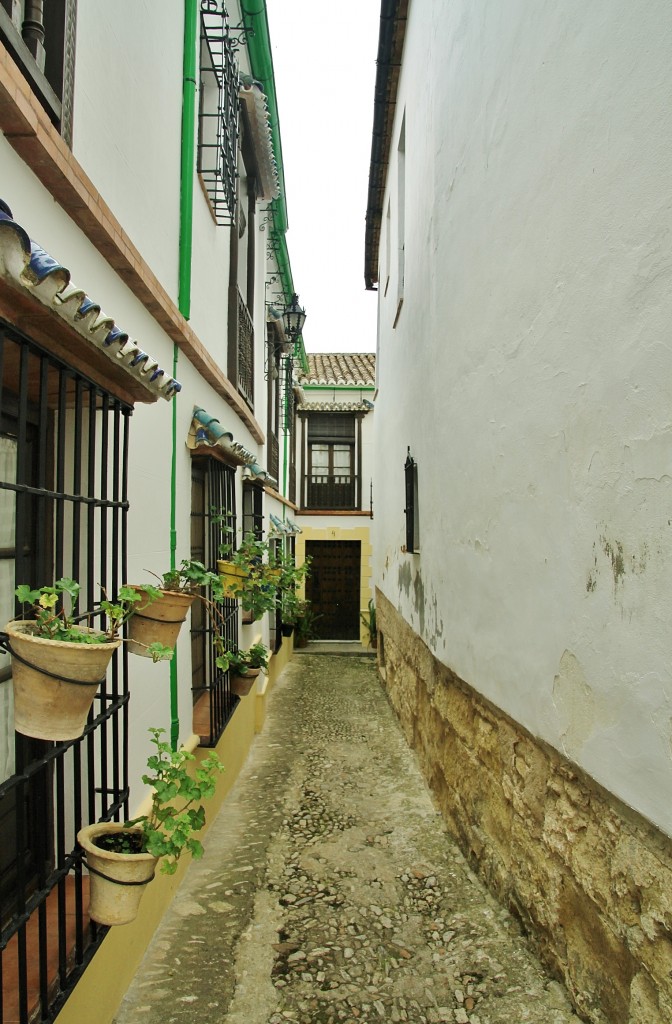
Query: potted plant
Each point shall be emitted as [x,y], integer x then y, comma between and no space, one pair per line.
[304,628]
[369,621]
[58,664]
[245,666]
[122,858]
[159,622]
[291,577]
[289,612]
[257,582]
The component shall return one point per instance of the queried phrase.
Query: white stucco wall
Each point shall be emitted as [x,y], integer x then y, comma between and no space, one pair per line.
[150,443]
[529,371]
[127,119]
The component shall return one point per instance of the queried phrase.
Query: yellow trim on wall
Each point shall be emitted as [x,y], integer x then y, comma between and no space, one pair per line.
[338,532]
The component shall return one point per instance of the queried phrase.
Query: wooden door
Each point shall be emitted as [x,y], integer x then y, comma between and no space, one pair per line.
[333,588]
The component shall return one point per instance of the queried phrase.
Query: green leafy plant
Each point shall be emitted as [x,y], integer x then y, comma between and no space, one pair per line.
[177,811]
[369,621]
[51,622]
[304,627]
[192,577]
[257,590]
[240,662]
[258,656]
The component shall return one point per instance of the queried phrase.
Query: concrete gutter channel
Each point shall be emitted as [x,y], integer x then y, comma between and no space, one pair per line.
[330,891]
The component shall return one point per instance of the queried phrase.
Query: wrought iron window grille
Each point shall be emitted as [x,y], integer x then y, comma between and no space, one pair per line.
[213,519]
[63,512]
[245,351]
[219,108]
[411,510]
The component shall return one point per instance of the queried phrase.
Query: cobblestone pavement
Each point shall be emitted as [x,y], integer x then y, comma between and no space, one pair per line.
[330,891]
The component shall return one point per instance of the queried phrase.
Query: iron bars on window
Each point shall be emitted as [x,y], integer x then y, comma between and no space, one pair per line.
[218,118]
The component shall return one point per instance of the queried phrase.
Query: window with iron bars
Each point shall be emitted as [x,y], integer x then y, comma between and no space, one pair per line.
[63,512]
[245,333]
[218,114]
[213,523]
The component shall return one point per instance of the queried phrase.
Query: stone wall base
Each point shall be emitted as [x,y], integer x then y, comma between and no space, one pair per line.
[589,879]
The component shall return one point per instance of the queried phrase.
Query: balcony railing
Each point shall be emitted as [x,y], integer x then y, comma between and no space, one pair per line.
[331,492]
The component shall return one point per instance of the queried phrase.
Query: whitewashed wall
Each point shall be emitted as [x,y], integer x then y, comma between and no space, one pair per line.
[530,371]
[127,119]
[134,162]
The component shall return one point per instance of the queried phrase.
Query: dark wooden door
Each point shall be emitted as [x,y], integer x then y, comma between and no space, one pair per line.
[333,587]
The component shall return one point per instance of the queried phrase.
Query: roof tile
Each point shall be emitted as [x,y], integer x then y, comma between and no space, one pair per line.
[340,369]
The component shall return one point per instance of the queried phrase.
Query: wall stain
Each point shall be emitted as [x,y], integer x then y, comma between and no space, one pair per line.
[619,561]
[419,600]
[405,577]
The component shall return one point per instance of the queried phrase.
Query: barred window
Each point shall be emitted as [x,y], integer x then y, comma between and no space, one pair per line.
[63,512]
[213,523]
[218,115]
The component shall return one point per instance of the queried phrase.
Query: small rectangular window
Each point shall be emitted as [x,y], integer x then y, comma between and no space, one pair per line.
[411,510]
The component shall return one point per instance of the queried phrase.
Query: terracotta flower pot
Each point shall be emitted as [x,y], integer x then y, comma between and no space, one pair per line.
[114,899]
[241,685]
[158,621]
[49,708]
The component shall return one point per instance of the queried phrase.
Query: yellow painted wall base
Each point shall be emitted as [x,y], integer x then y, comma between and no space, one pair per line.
[102,987]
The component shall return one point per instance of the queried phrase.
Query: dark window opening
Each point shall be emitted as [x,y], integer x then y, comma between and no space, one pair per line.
[411,510]
[253,510]
[273,369]
[63,512]
[213,523]
[41,38]
[331,478]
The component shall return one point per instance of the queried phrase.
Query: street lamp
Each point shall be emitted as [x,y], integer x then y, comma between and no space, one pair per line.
[294,317]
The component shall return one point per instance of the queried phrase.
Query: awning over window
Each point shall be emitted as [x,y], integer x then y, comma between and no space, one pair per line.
[206,431]
[33,272]
[260,130]
[288,528]
[257,472]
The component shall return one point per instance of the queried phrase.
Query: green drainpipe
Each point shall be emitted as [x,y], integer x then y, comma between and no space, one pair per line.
[188,154]
[184,292]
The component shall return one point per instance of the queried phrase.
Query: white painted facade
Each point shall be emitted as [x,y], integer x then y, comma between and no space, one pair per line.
[126,138]
[528,370]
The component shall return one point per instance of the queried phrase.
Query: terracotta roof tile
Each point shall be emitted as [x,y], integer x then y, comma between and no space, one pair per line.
[340,368]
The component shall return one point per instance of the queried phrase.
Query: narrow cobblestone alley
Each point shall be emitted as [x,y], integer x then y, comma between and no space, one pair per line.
[330,891]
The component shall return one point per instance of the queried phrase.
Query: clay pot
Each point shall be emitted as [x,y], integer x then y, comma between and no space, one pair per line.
[158,621]
[116,898]
[52,708]
[241,685]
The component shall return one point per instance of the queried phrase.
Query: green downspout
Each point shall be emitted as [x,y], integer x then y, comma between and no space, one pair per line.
[184,285]
[188,153]
[255,19]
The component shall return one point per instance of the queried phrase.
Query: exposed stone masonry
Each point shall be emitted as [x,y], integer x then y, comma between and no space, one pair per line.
[590,880]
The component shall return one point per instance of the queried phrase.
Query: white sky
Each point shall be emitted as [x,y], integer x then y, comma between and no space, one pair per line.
[324,58]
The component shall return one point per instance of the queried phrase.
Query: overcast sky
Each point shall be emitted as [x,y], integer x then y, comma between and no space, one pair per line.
[325,66]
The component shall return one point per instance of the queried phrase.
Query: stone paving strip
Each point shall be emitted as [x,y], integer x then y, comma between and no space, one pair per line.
[330,891]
